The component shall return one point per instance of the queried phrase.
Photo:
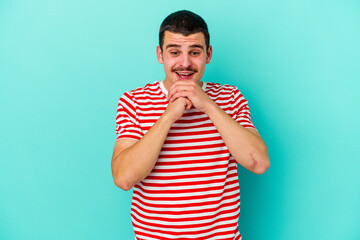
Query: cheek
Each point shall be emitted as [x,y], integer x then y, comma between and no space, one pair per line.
[201,64]
[168,68]
[170,65]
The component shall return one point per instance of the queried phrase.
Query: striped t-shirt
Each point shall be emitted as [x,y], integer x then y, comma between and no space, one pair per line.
[193,191]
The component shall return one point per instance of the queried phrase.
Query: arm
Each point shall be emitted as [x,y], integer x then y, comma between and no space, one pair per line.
[245,145]
[133,160]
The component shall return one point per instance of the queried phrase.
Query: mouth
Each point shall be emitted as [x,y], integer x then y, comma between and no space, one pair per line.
[184,75]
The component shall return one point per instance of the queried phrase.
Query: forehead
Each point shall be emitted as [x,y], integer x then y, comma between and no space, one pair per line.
[179,39]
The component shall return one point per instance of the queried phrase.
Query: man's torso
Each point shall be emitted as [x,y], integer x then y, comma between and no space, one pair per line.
[193,190]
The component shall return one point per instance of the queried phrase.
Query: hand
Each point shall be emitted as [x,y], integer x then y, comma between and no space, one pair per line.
[176,108]
[193,92]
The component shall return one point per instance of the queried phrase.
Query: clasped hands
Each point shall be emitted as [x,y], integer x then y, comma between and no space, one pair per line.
[183,94]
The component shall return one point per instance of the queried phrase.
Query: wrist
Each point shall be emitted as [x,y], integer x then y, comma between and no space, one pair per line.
[211,109]
[165,120]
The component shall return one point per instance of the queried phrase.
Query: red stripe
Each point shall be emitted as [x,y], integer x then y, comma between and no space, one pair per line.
[193,183]
[198,175]
[216,145]
[173,134]
[193,204]
[187,219]
[193,126]
[184,198]
[186,212]
[177,191]
[193,155]
[177,234]
[189,169]
[192,233]
[205,139]
[196,161]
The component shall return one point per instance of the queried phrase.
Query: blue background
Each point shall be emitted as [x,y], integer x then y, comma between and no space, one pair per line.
[64,65]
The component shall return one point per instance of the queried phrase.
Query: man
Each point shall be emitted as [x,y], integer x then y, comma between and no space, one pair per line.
[179,142]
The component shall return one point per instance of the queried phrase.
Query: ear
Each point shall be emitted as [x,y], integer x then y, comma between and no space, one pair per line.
[209,54]
[159,55]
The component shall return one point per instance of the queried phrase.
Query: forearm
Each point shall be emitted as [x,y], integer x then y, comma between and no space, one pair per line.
[134,163]
[248,149]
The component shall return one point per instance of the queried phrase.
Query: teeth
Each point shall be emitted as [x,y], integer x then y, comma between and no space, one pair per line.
[185,73]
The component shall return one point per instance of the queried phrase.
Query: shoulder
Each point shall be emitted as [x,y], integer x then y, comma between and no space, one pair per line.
[217,88]
[149,89]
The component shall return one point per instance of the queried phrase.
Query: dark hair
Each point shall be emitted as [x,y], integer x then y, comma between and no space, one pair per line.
[186,23]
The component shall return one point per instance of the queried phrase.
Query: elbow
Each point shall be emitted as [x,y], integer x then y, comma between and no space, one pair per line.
[261,168]
[121,180]
[260,164]
[124,185]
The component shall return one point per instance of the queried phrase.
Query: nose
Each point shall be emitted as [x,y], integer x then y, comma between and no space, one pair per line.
[185,61]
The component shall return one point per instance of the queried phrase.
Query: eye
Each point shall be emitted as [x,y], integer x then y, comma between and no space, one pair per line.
[174,53]
[194,53]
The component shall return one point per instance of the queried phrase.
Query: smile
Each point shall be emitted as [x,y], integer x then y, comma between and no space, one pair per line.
[184,75]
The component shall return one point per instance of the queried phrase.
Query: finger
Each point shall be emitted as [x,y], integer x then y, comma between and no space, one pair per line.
[188,104]
[183,82]
[174,96]
[182,85]
[178,89]
[178,95]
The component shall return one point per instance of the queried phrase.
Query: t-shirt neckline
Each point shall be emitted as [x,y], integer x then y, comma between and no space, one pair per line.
[163,89]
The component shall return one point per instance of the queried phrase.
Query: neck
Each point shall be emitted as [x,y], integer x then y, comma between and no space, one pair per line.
[168,84]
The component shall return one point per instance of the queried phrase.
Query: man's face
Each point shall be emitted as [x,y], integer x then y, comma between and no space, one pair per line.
[184,57]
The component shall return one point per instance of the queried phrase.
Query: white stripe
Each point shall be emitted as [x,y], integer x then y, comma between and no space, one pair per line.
[175,159]
[125,104]
[152,112]
[146,180]
[176,209]
[187,222]
[128,129]
[202,150]
[205,136]
[191,144]
[188,173]
[194,166]
[191,124]
[204,201]
[153,99]
[183,125]
[189,194]
[185,186]
[191,201]
[149,106]
[191,117]
[187,129]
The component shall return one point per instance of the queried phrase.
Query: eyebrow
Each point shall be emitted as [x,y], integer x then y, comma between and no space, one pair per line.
[197,46]
[172,45]
[178,46]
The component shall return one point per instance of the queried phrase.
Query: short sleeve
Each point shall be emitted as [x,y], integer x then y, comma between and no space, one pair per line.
[127,123]
[242,110]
